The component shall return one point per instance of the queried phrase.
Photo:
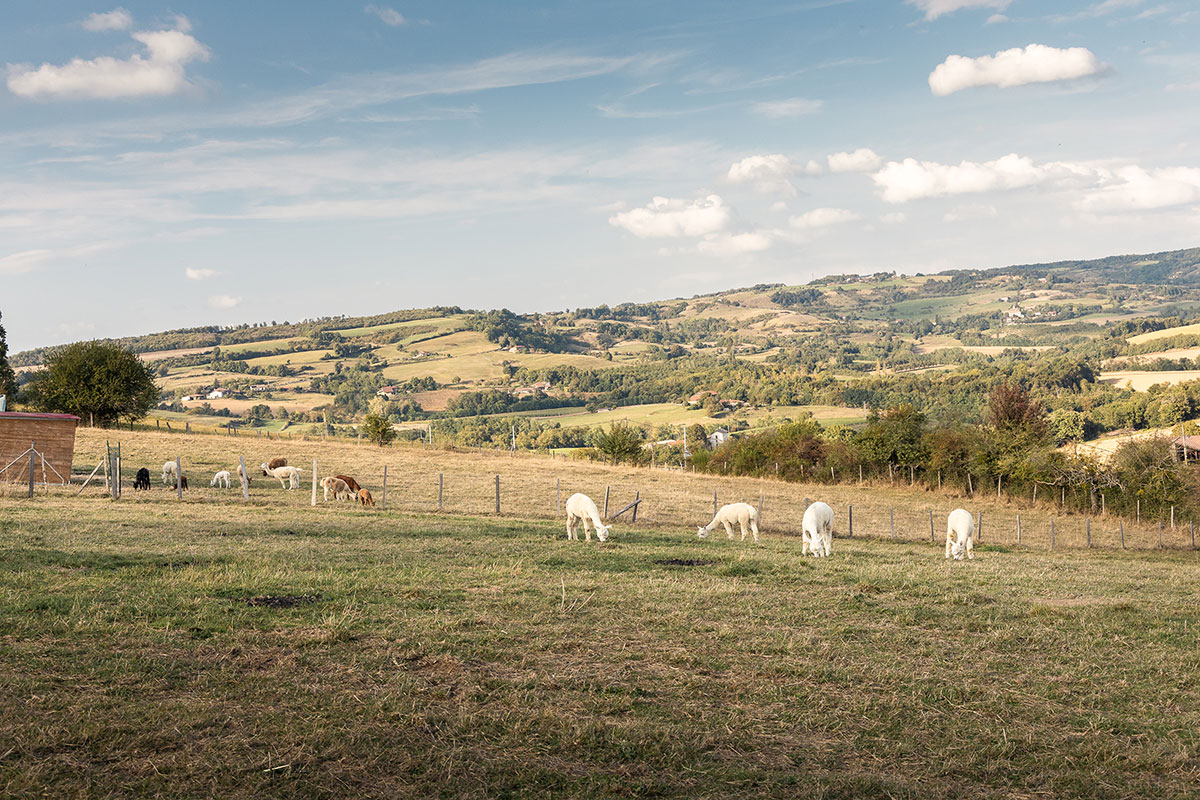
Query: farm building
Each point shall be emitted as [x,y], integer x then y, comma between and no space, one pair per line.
[1186,448]
[52,434]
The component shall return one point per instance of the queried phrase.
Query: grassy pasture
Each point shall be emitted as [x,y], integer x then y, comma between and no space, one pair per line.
[1141,380]
[218,648]
[1166,333]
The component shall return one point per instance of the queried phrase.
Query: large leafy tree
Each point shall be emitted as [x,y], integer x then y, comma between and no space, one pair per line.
[8,380]
[98,381]
[621,442]
[378,429]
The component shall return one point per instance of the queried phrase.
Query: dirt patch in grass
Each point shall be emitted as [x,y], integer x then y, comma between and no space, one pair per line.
[684,562]
[281,600]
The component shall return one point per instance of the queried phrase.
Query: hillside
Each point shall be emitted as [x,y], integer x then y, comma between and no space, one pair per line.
[837,347]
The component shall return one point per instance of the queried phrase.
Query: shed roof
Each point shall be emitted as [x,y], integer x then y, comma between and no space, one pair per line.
[27,415]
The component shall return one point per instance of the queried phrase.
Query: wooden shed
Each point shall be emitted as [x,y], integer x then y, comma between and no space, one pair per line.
[53,435]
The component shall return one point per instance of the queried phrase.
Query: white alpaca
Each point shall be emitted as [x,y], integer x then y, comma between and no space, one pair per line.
[221,478]
[580,508]
[960,534]
[340,489]
[285,475]
[168,473]
[816,530]
[741,513]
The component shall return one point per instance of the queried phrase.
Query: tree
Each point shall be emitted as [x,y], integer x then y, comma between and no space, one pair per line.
[8,379]
[619,443]
[378,429]
[98,381]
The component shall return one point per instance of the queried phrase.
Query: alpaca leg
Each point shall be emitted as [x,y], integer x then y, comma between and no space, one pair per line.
[805,543]
[971,546]
[587,531]
[754,529]
[948,535]
[728,530]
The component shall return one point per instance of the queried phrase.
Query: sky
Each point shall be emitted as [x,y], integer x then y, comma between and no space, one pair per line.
[214,163]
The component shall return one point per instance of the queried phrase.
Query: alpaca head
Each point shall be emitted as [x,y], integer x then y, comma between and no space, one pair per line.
[702,531]
[602,532]
[956,550]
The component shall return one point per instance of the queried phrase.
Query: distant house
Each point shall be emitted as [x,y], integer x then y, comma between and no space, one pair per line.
[699,397]
[217,394]
[387,392]
[260,387]
[1186,448]
[718,437]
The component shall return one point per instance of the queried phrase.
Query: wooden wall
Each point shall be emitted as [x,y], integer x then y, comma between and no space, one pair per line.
[53,437]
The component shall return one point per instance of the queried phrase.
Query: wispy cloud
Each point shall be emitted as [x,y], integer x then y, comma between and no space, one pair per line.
[938,8]
[389,16]
[116,20]
[224,301]
[199,273]
[793,107]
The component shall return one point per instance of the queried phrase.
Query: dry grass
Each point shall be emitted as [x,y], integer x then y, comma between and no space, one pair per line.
[1140,380]
[221,648]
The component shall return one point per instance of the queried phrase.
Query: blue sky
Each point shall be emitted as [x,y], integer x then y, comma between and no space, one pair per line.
[217,163]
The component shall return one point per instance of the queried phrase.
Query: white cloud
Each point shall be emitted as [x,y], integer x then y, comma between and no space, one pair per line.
[894,217]
[996,19]
[390,16]
[968,212]
[673,217]
[863,159]
[1133,188]
[1037,63]
[199,274]
[24,261]
[726,244]
[769,173]
[936,8]
[794,107]
[822,218]
[224,301]
[910,179]
[158,73]
[116,20]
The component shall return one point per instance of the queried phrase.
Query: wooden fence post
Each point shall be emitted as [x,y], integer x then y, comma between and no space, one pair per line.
[441,485]
[1160,534]
[383,500]
[1122,522]
[31,451]
[497,494]
[1138,518]
[970,487]
[637,502]
[939,485]
[850,516]
[1088,523]
[179,477]
[859,474]
[245,483]
[1172,517]
[314,483]
[607,489]
[911,476]
[1018,530]
[931,536]
[979,528]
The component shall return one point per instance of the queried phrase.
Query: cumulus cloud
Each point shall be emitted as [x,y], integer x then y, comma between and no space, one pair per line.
[199,274]
[666,216]
[770,172]
[389,16]
[910,179]
[158,72]
[1037,63]
[822,218]
[794,107]
[222,301]
[116,20]
[863,159]
[726,244]
[936,8]
[1133,188]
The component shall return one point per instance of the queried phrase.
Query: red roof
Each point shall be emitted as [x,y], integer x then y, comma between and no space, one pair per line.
[24,415]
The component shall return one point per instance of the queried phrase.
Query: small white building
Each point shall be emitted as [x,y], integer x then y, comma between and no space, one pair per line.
[718,437]
[217,394]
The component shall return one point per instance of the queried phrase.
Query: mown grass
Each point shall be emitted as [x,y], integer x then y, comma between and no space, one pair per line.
[226,649]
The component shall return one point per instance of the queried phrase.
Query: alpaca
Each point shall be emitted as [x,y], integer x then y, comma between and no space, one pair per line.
[243,474]
[274,463]
[221,478]
[741,513]
[284,475]
[960,534]
[816,530]
[168,473]
[142,481]
[353,484]
[339,488]
[580,508]
[364,497]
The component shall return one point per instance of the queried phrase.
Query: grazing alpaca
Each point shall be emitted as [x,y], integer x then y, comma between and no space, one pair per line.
[353,484]
[274,463]
[142,481]
[242,473]
[339,488]
[741,513]
[816,530]
[580,508]
[960,534]
[364,497]
[183,481]
[168,473]
[285,475]
[221,478]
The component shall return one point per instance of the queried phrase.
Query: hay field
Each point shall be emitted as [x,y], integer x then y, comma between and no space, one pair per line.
[1141,380]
